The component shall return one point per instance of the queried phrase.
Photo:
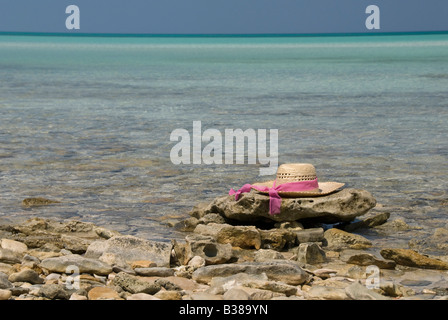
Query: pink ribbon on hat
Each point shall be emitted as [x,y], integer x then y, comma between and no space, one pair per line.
[275,200]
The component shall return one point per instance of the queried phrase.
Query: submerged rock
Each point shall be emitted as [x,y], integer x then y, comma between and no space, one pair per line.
[411,258]
[339,239]
[344,205]
[37,202]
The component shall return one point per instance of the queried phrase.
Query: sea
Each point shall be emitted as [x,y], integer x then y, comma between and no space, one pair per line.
[87,121]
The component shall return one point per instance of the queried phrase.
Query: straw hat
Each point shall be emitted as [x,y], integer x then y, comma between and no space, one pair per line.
[295,172]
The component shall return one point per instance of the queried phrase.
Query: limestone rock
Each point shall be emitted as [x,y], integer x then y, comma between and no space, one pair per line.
[318,292]
[155,272]
[411,258]
[26,275]
[62,264]
[236,294]
[339,239]
[267,254]
[142,296]
[366,259]
[207,248]
[284,271]
[370,222]
[134,284]
[78,297]
[310,253]
[196,262]
[55,291]
[14,246]
[168,295]
[130,248]
[37,202]
[9,256]
[278,239]
[5,294]
[238,236]
[4,282]
[309,235]
[103,293]
[344,205]
[357,291]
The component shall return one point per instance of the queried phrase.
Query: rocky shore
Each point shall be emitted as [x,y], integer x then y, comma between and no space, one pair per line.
[233,250]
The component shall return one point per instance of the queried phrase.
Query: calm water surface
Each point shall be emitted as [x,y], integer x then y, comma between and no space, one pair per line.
[87,121]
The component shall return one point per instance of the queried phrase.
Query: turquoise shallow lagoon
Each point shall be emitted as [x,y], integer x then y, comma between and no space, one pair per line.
[87,121]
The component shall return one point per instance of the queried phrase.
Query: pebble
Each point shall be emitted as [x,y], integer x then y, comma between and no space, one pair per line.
[103,293]
[5,294]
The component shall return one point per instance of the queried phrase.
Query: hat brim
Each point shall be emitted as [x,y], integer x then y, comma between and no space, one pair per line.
[325,188]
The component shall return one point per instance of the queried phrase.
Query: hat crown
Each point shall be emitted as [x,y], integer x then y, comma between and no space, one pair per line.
[294,172]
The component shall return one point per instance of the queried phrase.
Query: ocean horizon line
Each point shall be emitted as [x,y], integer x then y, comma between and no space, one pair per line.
[260,35]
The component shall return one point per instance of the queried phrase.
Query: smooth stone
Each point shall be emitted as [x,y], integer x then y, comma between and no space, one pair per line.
[4,282]
[79,297]
[267,255]
[196,262]
[6,267]
[339,239]
[357,291]
[412,282]
[103,293]
[282,270]
[205,296]
[14,246]
[155,272]
[168,295]
[236,294]
[9,256]
[26,275]
[344,205]
[143,264]
[142,296]
[131,248]
[5,294]
[411,258]
[134,284]
[66,264]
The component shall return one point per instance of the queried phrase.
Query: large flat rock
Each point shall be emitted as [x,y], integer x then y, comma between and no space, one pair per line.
[130,248]
[344,205]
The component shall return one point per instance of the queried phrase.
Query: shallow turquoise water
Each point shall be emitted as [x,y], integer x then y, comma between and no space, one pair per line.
[87,121]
